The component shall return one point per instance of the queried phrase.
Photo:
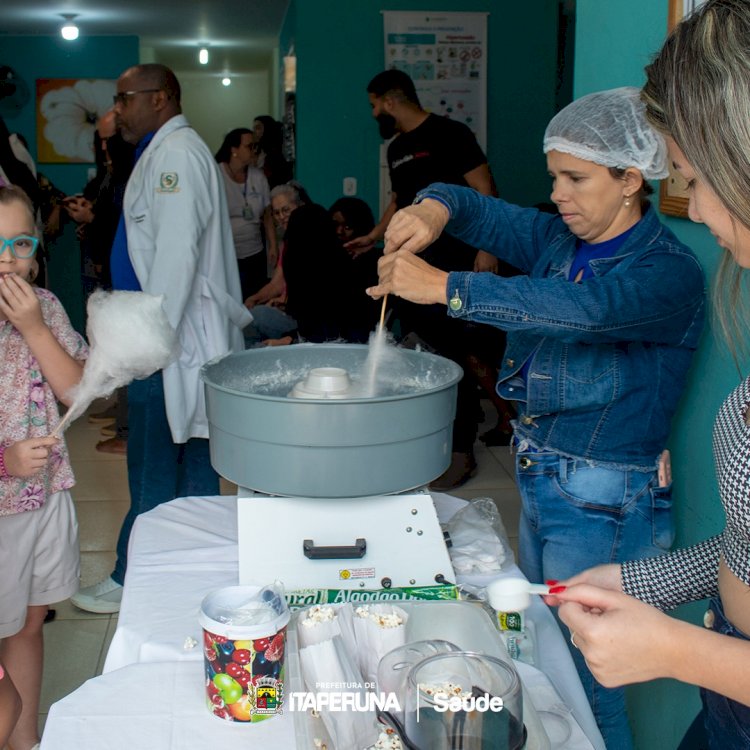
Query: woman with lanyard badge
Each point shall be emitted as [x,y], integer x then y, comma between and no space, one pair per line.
[249,205]
[601,331]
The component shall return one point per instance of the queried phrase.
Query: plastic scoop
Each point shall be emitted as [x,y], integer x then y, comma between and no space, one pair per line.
[513,594]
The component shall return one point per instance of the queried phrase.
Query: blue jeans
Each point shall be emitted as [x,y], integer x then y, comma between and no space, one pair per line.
[268,323]
[727,722]
[576,515]
[159,470]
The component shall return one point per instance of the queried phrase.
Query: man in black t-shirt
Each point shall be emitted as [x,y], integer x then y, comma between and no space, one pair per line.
[437,150]
[428,148]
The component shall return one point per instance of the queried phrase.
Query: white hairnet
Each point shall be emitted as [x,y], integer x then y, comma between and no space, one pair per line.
[609,128]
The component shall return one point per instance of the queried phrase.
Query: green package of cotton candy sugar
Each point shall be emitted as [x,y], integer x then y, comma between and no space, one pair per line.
[308,597]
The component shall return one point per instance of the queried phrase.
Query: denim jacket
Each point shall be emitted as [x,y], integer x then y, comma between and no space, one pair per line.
[609,357]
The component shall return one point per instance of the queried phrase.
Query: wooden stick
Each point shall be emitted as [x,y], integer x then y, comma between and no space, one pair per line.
[382,312]
[61,424]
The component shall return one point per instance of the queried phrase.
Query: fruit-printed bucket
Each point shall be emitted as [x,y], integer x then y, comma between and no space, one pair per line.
[244,640]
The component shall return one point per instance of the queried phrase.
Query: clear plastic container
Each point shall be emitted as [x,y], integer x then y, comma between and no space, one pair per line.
[462,623]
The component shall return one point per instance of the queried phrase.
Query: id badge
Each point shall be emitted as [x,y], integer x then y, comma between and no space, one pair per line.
[247,213]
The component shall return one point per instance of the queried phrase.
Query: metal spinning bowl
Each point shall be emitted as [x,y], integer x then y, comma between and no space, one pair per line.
[328,448]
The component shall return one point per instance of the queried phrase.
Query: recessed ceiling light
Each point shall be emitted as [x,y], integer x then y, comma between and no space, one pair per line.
[226,81]
[69,31]
[203,56]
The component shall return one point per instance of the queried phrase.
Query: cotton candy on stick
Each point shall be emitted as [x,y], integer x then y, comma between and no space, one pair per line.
[129,337]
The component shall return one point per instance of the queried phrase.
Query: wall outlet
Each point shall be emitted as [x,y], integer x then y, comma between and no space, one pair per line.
[350,185]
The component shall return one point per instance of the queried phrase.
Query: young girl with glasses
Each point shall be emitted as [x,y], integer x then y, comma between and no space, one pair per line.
[41,359]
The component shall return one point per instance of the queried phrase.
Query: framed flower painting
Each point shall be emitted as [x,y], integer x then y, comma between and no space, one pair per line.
[67,111]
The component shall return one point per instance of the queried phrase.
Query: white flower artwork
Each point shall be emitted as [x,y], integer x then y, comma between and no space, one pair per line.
[71,112]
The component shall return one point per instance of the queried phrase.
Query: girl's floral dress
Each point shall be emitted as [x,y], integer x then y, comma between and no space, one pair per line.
[28,407]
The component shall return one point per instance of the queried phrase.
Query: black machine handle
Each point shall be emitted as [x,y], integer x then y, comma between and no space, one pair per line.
[356,551]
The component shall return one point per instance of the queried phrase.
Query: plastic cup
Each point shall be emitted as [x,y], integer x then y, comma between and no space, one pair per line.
[244,643]
[393,669]
[479,677]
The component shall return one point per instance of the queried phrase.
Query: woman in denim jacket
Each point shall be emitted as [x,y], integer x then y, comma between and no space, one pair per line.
[601,333]
[698,94]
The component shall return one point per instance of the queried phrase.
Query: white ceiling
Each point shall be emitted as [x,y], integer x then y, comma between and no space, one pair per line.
[240,34]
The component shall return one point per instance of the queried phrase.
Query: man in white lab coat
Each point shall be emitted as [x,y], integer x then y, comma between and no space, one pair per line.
[175,239]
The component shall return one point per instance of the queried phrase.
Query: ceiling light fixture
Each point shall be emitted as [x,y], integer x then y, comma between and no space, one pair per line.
[69,31]
[226,81]
[203,56]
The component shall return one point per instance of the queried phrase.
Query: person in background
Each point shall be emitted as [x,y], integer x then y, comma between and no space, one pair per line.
[697,93]
[16,165]
[41,359]
[271,323]
[602,328]
[316,274]
[259,127]
[310,282]
[97,213]
[249,208]
[269,136]
[174,240]
[426,149]
[18,168]
[352,217]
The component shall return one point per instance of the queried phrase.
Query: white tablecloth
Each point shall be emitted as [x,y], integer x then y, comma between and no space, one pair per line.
[154,706]
[178,553]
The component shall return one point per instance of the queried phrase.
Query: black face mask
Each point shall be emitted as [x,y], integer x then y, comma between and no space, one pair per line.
[386,125]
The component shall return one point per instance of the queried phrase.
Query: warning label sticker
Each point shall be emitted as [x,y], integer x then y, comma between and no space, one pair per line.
[349,573]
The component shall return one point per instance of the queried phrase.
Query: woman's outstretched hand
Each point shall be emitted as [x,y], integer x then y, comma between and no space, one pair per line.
[622,639]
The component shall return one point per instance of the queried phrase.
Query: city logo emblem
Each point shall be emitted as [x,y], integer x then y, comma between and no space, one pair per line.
[269,694]
[168,183]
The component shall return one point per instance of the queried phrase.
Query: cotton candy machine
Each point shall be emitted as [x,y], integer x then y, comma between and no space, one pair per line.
[331,478]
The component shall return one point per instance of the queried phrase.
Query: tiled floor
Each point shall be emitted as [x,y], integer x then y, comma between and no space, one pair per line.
[76,642]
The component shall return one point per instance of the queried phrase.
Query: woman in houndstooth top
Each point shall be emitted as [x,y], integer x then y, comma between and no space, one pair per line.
[698,95]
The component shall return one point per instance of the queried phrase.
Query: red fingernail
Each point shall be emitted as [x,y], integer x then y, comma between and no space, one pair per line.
[552,582]
[557,589]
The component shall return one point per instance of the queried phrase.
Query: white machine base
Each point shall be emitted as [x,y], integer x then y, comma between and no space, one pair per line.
[402,535]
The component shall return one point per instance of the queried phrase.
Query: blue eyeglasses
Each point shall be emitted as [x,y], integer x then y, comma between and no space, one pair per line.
[22,246]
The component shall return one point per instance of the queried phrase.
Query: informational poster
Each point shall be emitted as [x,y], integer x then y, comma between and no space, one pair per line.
[445,54]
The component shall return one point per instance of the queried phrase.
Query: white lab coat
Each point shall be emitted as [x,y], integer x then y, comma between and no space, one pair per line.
[180,244]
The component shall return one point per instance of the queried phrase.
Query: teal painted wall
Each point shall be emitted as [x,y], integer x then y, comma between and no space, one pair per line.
[339,47]
[614,41]
[51,57]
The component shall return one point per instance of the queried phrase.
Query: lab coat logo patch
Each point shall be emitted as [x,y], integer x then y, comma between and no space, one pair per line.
[168,183]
